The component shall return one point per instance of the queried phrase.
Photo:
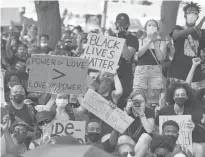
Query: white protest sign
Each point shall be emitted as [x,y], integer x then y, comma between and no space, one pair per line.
[72,128]
[100,107]
[103,52]
[2,87]
[185,133]
[69,74]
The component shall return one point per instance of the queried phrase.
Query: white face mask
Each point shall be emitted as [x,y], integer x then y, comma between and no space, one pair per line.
[44,44]
[61,103]
[191,18]
[151,30]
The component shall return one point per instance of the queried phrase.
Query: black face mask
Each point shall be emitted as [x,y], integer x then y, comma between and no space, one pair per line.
[20,137]
[18,98]
[180,101]
[94,137]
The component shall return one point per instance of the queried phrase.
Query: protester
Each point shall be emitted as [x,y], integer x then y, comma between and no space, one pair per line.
[143,126]
[94,133]
[125,74]
[189,40]
[161,145]
[44,39]
[171,128]
[44,121]
[31,37]
[148,74]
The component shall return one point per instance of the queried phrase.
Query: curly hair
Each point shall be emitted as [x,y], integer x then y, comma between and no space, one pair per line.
[192,5]
[171,91]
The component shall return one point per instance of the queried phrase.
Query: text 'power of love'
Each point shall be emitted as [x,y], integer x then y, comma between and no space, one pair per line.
[69,74]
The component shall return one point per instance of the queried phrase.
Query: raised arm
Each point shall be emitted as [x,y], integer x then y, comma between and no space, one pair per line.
[116,94]
[144,48]
[9,53]
[195,63]
[179,33]
[21,38]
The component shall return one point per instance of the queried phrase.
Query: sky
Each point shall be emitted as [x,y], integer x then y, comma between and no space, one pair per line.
[96,7]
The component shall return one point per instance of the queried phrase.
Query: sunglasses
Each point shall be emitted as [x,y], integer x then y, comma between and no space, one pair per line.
[125,154]
[47,121]
[18,130]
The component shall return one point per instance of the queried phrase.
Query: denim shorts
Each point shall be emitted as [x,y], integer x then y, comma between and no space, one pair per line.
[148,77]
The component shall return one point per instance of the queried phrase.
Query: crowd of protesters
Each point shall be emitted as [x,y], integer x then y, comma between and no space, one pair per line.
[156,76]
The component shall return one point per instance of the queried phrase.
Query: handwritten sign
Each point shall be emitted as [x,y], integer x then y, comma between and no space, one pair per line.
[185,134]
[73,128]
[69,74]
[100,107]
[103,52]
[2,87]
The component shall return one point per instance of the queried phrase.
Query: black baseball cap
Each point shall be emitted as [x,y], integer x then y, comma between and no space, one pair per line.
[122,19]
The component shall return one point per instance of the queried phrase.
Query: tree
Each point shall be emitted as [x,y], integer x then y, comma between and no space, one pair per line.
[49,20]
[169,11]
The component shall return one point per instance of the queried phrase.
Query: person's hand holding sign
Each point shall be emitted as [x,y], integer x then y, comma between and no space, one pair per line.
[190,125]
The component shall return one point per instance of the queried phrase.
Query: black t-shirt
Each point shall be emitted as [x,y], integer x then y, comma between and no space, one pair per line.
[182,61]
[23,114]
[147,58]
[169,111]
[125,67]
[136,129]
[198,117]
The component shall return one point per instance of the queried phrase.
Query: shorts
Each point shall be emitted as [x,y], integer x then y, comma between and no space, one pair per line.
[148,77]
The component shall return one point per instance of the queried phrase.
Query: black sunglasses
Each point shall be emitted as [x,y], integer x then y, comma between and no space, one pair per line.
[47,121]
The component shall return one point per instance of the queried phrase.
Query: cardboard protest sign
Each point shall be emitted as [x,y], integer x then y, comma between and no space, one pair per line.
[8,15]
[2,87]
[73,128]
[100,107]
[185,134]
[103,52]
[69,74]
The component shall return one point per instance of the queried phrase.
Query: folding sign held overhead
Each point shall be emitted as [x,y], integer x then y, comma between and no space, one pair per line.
[69,74]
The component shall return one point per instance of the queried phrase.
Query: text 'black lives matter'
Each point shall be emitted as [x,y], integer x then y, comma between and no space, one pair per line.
[62,74]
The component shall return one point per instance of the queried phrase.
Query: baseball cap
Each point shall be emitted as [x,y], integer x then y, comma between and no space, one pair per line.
[21,122]
[43,115]
[122,19]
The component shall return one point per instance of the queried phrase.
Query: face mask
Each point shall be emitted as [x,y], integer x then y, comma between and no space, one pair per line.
[19,98]
[191,19]
[151,30]
[44,44]
[93,137]
[61,103]
[20,137]
[180,101]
